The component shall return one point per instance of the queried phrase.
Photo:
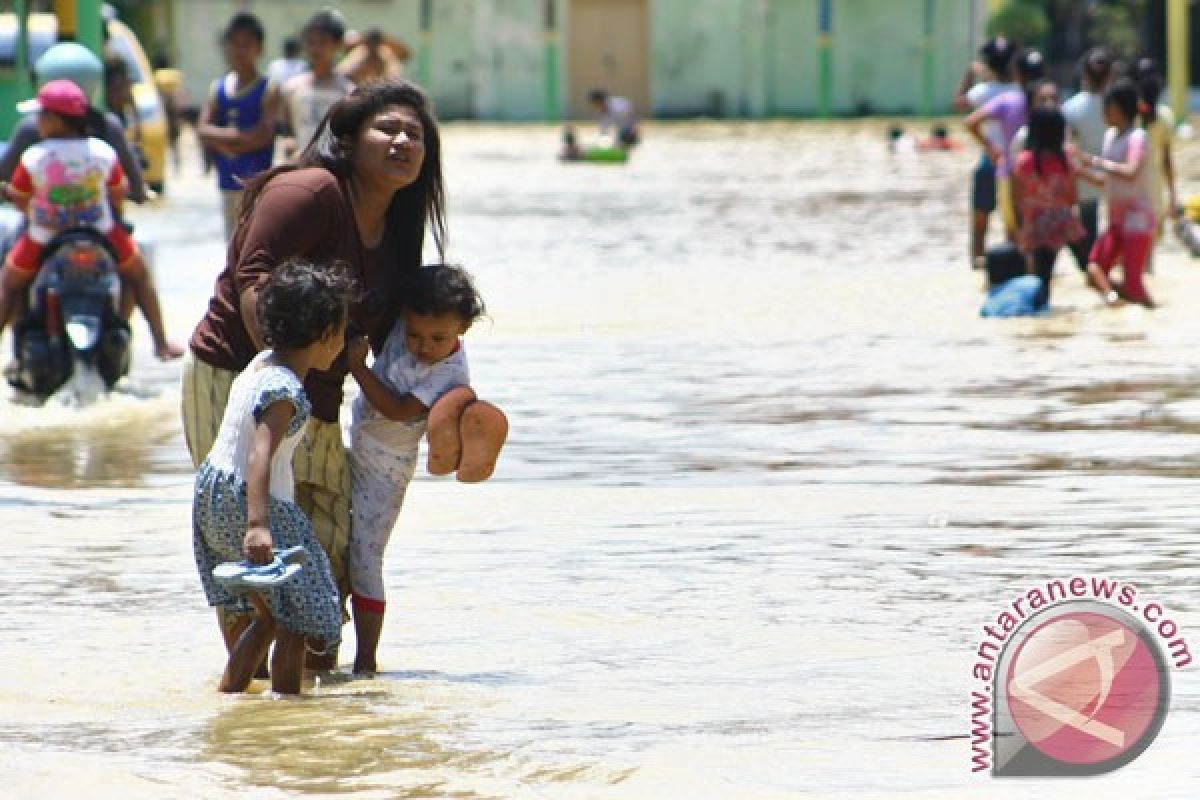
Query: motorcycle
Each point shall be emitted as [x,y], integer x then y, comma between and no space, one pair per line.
[73,328]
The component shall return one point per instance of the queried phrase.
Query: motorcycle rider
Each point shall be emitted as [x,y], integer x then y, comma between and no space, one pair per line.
[75,64]
[72,180]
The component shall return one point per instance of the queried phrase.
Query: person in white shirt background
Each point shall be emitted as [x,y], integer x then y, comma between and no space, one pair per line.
[1085,122]
[985,80]
[616,113]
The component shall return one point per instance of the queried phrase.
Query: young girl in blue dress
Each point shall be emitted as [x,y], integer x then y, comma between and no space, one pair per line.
[243,505]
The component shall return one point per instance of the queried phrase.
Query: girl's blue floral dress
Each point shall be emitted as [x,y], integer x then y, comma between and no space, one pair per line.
[308,604]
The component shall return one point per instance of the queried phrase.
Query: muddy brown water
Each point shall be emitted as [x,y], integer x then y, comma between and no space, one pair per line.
[769,473]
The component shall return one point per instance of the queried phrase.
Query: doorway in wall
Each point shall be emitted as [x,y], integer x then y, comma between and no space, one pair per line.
[607,46]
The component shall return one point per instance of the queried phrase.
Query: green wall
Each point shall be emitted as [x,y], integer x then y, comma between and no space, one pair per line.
[737,58]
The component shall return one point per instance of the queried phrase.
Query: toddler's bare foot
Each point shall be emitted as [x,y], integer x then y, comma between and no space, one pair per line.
[442,430]
[168,351]
[484,429]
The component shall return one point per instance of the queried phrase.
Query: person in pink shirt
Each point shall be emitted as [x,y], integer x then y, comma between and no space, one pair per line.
[1044,193]
[1129,193]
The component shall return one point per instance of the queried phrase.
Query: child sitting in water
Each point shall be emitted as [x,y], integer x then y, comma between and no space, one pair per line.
[1129,192]
[244,504]
[571,150]
[419,384]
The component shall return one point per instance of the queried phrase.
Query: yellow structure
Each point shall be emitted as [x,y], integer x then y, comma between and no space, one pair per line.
[1178,79]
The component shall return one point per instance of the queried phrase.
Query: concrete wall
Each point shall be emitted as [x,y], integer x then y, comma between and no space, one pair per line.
[761,57]
[486,58]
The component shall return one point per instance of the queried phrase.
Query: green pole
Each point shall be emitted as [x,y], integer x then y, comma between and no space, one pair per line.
[772,101]
[21,9]
[551,110]
[927,66]
[15,84]
[89,25]
[825,59]
[425,45]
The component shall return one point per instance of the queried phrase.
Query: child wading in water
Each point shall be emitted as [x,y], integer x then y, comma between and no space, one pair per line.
[1129,191]
[244,507]
[1044,193]
[419,382]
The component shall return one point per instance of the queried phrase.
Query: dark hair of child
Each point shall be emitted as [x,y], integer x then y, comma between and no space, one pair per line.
[328,22]
[1031,66]
[1047,132]
[291,47]
[301,302]
[444,289]
[998,54]
[1124,95]
[597,96]
[76,126]
[115,70]
[1149,88]
[1031,91]
[245,22]
[1097,66]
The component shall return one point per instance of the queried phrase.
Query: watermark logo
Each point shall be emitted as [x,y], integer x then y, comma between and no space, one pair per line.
[1071,684]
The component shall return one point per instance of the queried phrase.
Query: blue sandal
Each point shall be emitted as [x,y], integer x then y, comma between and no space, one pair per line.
[244,576]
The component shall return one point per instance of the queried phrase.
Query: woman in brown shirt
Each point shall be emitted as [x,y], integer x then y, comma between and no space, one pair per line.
[361,195]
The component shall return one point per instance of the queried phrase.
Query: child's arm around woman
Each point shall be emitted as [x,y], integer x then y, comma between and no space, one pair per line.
[423,368]
[396,406]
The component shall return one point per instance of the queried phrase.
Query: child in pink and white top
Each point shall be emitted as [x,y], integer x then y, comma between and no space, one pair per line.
[72,180]
[1129,192]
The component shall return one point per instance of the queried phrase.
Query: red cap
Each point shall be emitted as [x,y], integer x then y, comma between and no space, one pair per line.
[61,97]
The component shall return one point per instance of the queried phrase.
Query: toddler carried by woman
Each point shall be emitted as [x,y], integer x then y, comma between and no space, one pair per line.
[418,385]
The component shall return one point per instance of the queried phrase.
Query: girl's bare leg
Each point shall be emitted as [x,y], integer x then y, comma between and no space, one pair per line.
[483,429]
[14,289]
[145,294]
[287,662]
[232,627]
[979,226]
[250,650]
[1098,278]
[442,430]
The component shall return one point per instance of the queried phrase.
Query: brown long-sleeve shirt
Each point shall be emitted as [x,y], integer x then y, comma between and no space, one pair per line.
[305,214]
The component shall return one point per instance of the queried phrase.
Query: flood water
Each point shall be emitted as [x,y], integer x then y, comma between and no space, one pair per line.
[769,474]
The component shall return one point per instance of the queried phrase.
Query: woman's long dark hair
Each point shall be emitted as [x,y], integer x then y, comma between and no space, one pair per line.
[1047,133]
[332,147]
